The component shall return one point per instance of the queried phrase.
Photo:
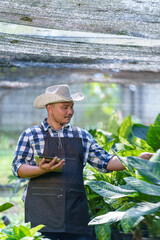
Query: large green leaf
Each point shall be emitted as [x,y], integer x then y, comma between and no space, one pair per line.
[149,170]
[143,187]
[125,129]
[157,121]
[155,157]
[134,213]
[140,131]
[125,163]
[153,136]
[109,218]
[108,190]
[151,176]
[132,152]
[5,206]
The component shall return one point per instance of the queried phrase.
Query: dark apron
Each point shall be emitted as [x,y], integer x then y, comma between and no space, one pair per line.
[58,199]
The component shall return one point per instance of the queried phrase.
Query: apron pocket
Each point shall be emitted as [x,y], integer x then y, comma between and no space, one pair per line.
[46,206]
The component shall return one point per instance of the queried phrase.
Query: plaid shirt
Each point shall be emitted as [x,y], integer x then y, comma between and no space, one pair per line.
[31,143]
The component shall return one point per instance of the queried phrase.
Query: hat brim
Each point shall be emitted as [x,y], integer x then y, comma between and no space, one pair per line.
[42,100]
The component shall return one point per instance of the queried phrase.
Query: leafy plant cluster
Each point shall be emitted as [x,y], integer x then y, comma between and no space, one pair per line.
[23,231]
[128,200]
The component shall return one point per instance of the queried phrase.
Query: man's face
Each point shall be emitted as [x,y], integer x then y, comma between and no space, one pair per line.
[61,113]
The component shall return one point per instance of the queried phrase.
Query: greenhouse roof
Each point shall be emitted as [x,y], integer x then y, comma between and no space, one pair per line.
[106,41]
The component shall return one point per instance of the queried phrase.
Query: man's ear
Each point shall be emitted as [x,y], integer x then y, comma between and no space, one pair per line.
[49,108]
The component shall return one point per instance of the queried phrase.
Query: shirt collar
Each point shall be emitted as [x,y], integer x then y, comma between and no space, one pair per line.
[46,126]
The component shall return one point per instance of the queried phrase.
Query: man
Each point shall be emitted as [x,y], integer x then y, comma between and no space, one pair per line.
[55,195]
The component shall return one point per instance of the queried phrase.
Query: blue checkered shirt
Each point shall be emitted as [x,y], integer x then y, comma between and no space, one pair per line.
[31,143]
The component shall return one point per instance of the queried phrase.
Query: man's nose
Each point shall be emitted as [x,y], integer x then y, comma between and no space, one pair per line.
[70,111]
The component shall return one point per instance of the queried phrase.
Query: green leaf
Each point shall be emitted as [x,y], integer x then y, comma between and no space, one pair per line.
[134,213]
[153,137]
[99,137]
[103,232]
[127,224]
[16,231]
[125,129]
[153,224]
[108,145]
[120,204]
[36,229]
[3,237]
[2,225]
[5,206]
[125,153]
[155,157]
[113,124]
[8,231]
[126,206]
[21,233]
[149,170]
[140,131]
[25,230]
[145,146]
[108,190]
[157,121]
[143,187]
[108,218]
[126,142]
[125,163]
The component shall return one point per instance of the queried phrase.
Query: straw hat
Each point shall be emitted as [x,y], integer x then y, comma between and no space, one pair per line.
[55,94]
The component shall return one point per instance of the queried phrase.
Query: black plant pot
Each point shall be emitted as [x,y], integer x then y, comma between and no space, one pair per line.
[150,238]
[119,235]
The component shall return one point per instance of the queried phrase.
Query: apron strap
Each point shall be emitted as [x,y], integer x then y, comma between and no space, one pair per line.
[75,131]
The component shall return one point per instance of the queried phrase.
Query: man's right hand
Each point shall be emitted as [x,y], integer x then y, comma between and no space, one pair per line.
[30,171]
[51,166]
[146,155]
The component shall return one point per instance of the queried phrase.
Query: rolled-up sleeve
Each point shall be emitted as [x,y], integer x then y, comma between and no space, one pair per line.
[98,157]
[23,153]
[93,153]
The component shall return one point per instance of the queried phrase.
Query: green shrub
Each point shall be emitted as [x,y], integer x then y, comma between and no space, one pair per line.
[130,201]
[22,231]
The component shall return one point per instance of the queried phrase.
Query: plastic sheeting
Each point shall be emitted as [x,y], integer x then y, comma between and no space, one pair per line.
[118,41]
